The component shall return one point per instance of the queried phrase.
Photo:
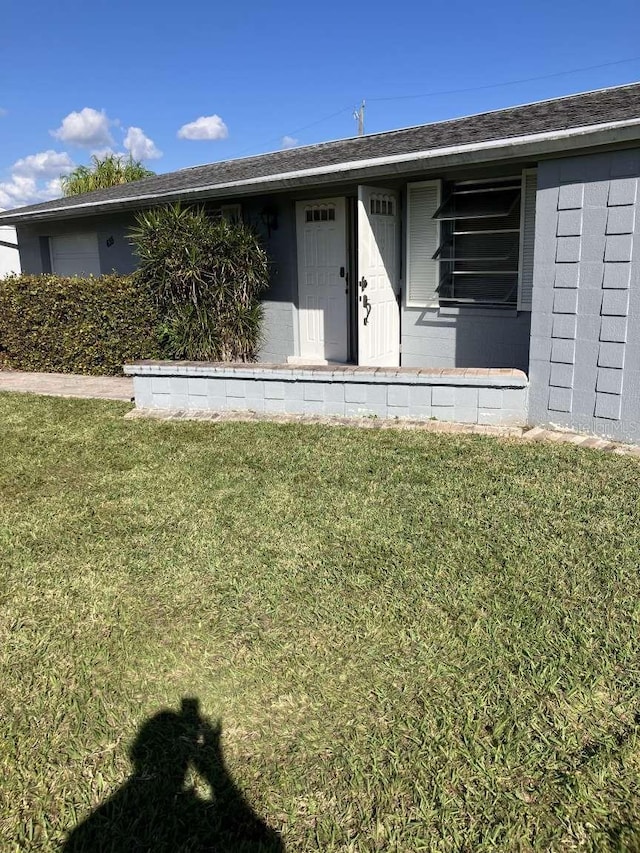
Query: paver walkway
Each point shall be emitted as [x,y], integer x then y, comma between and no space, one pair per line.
[68,385]
[524,433]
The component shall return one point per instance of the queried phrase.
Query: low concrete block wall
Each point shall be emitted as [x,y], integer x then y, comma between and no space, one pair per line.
[483,396]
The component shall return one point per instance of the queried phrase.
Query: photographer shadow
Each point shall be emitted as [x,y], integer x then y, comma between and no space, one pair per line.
[154,811]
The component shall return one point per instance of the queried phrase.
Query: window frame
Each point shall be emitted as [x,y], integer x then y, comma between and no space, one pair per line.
[447,266]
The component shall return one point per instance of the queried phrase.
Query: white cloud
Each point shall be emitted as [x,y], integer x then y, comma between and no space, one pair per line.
[289,142]
[19,191]
[205,127]
[3,112]
[35,178]
[88,128]
[140,146]
[54,188]
[46,163]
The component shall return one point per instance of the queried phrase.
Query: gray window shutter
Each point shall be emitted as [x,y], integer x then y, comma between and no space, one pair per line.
[527,238]
[423,239]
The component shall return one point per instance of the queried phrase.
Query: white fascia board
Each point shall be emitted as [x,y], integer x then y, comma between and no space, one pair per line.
[552,142]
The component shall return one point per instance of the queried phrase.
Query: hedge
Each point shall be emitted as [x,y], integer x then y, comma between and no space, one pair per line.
[76,325]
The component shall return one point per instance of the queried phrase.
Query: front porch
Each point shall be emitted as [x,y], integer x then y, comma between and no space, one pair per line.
[465,395]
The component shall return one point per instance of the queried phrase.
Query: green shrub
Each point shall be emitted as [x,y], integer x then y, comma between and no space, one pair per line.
[76,325]
[207,276]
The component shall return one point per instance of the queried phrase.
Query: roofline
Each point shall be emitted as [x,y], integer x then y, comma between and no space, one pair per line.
[507,148]
[416,126]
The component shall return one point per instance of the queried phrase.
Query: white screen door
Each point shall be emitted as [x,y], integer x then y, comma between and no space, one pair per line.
[322,297]
[378,274]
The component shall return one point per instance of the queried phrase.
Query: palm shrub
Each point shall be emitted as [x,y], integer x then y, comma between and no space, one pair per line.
[207,276]
[110,171]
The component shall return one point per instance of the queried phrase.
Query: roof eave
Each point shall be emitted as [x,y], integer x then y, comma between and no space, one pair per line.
[514,148]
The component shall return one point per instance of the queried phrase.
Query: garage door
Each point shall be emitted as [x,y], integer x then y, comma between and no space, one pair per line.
[75,254]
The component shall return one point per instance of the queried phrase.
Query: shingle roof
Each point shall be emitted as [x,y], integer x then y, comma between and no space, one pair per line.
[603,106]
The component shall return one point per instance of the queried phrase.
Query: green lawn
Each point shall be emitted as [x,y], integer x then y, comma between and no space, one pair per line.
[410,641]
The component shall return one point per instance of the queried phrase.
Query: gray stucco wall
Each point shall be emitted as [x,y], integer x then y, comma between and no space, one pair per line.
[116,252]
[278,333]
[585,335]
[465,337]
[118,256]
[33,256]
[279,330]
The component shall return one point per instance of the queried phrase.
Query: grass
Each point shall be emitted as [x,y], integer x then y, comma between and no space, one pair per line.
[410,641]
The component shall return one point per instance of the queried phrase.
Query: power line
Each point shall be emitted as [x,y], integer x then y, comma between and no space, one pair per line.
[508,83]
[452,92]
[300,129]
[320,120]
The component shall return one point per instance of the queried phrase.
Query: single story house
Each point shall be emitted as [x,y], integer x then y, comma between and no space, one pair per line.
[484,268]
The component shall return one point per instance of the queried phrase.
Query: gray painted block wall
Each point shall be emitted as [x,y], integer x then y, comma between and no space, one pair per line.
[494,397]
[449,337]
[585,333]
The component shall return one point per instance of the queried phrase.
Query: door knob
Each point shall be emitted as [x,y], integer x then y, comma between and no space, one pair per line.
[366,304]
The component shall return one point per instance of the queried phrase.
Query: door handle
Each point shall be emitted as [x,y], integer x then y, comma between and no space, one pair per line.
[366,304]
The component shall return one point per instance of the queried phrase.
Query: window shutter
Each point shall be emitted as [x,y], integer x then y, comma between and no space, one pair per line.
[527,238]
[423,239]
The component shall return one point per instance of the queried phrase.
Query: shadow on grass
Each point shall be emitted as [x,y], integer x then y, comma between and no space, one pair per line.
[153,811]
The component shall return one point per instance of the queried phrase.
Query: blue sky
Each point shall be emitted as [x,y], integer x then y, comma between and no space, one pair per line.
[152,77]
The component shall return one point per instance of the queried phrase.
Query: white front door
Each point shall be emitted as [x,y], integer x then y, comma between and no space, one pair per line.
[378,277]
[322,283]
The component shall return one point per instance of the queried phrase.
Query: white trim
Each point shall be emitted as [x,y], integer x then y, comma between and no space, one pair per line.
[9,252]
[517,146]
[409,303]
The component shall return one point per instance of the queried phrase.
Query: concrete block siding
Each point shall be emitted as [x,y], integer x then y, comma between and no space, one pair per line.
[476,396]
[585,362]
[465,337]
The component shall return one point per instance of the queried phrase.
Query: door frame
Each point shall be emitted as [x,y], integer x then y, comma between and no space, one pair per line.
[352,271]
